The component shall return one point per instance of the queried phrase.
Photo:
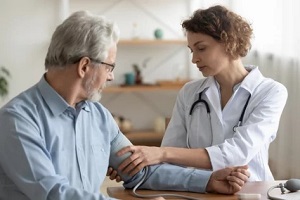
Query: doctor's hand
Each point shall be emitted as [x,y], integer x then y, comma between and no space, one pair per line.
[228,181]
[141,156]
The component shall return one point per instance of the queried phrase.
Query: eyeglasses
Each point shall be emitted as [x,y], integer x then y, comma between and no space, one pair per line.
[111,66]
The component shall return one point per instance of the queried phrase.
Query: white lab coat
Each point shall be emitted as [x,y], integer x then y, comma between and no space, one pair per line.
[250,143]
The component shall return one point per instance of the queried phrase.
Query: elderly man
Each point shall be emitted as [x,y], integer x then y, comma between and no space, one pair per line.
[57,140]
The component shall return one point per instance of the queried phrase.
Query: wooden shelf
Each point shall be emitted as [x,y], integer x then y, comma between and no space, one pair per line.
[151,42]
[148,138]
[140,88]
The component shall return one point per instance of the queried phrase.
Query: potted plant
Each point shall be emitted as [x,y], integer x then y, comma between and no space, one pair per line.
[4,75]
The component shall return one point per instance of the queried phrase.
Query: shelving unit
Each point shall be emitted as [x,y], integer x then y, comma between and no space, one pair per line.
[141,88]
[151,42]
[147,137]
[143,137]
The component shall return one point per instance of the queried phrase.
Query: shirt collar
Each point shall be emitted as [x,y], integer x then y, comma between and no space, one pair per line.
[207,83]
[250,82]
[55,102]
[253,79]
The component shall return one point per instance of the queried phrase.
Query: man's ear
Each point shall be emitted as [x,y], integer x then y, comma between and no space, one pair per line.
[83,66]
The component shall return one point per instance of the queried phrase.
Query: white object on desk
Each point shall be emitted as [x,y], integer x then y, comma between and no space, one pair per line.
[249,196]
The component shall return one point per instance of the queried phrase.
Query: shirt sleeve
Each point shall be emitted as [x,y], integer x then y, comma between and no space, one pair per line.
[176,131]
[161,176]
[171,177]
[28,172]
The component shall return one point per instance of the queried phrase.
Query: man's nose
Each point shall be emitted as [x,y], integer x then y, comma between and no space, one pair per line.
[110,76]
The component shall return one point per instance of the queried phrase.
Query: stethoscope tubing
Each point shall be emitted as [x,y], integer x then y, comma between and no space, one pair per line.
[242,115]
[200,100]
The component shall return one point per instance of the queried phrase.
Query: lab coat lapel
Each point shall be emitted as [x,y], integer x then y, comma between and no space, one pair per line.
[212,94]
[213,97]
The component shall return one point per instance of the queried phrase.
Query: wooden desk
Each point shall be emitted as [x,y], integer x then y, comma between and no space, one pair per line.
[250,187]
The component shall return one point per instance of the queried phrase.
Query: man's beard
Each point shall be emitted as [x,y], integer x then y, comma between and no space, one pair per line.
[93,94]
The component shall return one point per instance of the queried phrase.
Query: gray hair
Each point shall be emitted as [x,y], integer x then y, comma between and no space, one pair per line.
[81,34]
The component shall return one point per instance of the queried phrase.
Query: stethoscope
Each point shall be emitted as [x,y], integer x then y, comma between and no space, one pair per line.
[200,100]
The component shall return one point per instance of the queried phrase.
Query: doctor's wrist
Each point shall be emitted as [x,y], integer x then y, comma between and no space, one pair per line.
[164,154]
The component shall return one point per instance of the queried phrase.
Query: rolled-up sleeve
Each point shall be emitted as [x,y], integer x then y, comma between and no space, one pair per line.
[172,177]
[161,176]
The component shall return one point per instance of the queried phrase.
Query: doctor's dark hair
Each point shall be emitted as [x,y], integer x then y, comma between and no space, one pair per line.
[224,26]
[81,35]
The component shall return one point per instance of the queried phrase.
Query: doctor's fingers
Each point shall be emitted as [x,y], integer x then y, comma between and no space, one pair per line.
[234,187]
[135,166]
[238,178]
[126,149]
[136,162]
[244,171]
[145,154]
[136,153]
[245,167]
[128,161]
[240,172]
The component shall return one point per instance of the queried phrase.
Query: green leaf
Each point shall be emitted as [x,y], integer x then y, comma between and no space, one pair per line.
[4,75]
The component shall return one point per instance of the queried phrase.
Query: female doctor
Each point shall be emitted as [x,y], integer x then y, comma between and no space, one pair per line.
[230,117]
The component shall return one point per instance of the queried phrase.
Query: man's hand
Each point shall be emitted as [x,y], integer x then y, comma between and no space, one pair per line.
[228,181]
[113,175]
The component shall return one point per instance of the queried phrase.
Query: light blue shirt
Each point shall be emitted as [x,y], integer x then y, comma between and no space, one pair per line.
[50,150]
[250,143]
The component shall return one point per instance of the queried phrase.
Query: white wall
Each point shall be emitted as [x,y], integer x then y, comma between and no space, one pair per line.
[25,31]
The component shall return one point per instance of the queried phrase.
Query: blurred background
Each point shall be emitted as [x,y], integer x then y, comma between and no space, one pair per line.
[152,42]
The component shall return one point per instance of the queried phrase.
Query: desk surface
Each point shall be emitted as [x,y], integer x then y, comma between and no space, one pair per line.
[260,187]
